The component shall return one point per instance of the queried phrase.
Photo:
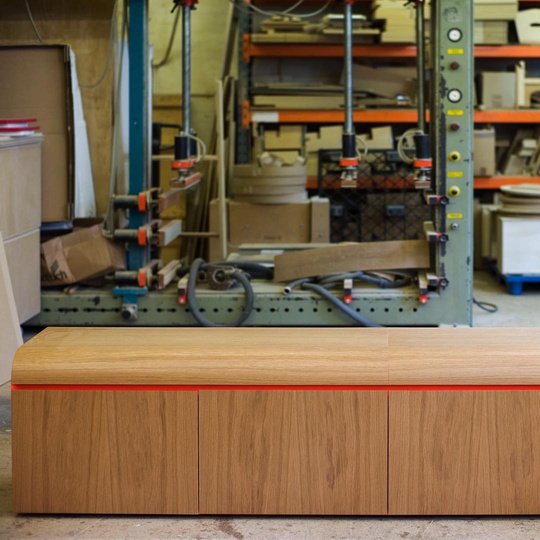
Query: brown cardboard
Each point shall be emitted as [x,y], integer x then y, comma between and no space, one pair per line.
[276,223]
[80,255]
[382,82]
[36,84]
[287,138]
[20,185]
[22,253]
[498,90]
[484,152]
[293,223]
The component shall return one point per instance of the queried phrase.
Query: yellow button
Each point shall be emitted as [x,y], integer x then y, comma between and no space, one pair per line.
[454,156]
[454,191]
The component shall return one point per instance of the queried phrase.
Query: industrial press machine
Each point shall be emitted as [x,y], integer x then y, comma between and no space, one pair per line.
[442,165]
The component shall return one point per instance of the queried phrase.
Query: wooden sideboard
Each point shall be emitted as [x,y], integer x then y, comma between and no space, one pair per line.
[277,421]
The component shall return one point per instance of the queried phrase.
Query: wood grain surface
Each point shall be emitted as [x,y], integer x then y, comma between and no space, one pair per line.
[293,452]
[464,356]
[104,452]
[281,356]
[474,452]
[203,356]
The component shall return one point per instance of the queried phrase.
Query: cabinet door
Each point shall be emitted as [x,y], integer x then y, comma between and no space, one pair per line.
[464,452]
[121,452]
[293,452]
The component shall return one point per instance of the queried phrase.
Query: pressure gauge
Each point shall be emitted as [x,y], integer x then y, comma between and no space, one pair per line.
[454,95]
[455,34]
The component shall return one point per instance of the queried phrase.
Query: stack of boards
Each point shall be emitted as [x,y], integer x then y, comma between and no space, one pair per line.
[491,19]
[523,199]
[269,185]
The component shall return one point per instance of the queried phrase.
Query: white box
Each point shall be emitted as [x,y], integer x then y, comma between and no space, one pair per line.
[519,245]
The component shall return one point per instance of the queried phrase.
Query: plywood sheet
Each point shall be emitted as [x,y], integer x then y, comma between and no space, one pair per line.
[20,185]
[10,331]
[118,452]
[457,453]
[278,452]
[22,253]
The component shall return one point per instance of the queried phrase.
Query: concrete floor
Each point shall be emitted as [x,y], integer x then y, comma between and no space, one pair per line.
[513,311]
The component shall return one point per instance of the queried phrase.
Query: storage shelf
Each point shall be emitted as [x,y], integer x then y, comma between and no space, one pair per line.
[375,116]
[491,182]
[495,182]
[289,50]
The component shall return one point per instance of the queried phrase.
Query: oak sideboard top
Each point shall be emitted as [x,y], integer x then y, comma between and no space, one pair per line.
[281,356]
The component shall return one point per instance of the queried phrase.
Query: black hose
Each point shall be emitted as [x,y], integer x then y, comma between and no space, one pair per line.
[344,308]
[361,276]
[255,270]
[196,267]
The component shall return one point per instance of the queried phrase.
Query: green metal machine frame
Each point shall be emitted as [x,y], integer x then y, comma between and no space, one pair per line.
[449,300]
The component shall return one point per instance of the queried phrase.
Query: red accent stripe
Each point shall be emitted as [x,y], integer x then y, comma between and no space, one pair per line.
[318,388]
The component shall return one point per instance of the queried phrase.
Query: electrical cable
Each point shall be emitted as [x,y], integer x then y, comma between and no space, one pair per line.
[31,17]
[248,8]
[167,55]
[255,270]
[401,151]
[201,147]
[238,275]
[112,33]
[486,306]
[343,308]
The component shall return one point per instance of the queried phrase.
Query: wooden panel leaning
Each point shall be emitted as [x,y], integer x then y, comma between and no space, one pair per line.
[293,452]
[104,452]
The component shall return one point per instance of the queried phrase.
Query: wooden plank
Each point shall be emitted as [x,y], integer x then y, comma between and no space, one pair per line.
[169,200]
[463,356]
[10,331]
[167,273]
[394,255]
[221,170]
[169,232]
[458,453]
[204,356]
[114,452]
[299,452]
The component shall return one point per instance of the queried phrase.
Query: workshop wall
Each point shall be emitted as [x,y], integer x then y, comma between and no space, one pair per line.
[86,27]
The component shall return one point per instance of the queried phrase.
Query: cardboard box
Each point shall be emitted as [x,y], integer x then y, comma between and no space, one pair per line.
[294,223]
[22,253]
[287,138]
[20,185]
[484,152]
[516,236]
[382,82]
[498,90]
[36,84]
[81,255]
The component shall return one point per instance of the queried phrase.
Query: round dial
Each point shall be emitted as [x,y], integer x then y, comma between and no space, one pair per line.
[455,34]
[454,95]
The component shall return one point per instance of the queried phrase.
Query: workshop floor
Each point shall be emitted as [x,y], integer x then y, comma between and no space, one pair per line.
[513,311]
